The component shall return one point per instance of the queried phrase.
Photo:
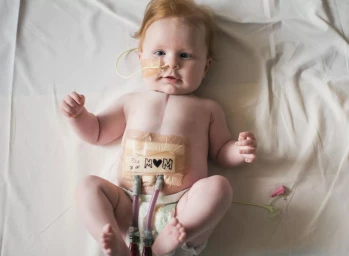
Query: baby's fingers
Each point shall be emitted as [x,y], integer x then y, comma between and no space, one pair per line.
[247,150]
[246,135]
[70,101]
[251,143]
[250,158]
[249,153]
[67,109]
[78,98]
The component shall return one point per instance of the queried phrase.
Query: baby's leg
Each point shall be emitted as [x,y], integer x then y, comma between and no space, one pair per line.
[106,211]
[202,207]
[198,212]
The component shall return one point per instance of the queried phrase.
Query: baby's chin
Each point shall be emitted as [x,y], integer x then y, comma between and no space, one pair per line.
[169,89]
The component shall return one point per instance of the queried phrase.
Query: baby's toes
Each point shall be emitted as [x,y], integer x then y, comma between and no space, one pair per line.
[105,237]
[181,232]
[181,237]
[174,221]
[107,228]
[104,242]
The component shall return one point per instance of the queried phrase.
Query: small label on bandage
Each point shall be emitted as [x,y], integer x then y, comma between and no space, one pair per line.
[155,164]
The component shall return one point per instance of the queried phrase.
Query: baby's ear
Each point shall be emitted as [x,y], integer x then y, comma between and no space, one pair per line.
[208,63]
[139,54]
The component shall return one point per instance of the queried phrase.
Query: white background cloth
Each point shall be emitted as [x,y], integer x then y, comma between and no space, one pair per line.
[281,71]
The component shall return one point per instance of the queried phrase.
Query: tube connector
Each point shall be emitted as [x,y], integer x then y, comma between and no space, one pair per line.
[134,235]
[159,182]
[148,238]
[137,185]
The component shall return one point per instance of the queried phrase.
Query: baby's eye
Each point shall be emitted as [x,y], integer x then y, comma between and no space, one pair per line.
[159,53]
[185,55]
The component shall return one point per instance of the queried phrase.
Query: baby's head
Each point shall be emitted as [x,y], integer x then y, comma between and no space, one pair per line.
[178,35]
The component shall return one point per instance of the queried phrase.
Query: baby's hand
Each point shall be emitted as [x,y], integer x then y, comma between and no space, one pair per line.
[247,146]
[73,104]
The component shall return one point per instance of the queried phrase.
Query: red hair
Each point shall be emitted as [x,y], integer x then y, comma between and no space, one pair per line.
[185,10]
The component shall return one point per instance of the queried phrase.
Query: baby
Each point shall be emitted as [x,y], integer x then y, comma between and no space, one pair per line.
[178,34]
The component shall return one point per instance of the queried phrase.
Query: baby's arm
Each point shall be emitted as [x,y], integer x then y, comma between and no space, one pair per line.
[93,129]
[225,150]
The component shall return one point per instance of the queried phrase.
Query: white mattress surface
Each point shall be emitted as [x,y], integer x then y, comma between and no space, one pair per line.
[281,71]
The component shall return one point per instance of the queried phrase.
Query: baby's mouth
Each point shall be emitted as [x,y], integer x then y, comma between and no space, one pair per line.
[170,79]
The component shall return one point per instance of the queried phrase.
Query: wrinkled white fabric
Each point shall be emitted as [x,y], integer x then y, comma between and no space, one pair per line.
[281,71]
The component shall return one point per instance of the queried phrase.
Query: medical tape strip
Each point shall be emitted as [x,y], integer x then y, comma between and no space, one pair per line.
[150,67]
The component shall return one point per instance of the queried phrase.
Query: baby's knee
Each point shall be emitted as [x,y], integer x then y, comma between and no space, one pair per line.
[89,183]
[221,186]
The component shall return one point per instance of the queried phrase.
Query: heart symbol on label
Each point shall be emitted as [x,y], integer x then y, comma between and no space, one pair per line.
[157,162]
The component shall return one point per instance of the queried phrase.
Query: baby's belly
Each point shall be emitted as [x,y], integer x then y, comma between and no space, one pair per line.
[150,155]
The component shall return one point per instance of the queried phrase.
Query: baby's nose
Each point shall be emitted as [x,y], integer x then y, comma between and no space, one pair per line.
[175,66]
[172,63]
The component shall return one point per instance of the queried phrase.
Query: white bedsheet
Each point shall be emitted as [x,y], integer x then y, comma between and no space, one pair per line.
[282,72]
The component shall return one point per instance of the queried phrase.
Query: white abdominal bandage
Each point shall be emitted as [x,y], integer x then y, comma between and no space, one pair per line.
[150,154]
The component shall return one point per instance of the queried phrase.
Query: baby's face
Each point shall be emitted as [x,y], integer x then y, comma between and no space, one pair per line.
[182,48]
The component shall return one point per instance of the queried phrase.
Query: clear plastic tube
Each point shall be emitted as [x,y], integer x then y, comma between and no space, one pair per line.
[136,191]
[151,209]
[133,230]
[148,236]
[158,186]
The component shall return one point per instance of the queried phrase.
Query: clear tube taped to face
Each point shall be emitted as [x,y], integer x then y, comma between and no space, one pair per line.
[149,67]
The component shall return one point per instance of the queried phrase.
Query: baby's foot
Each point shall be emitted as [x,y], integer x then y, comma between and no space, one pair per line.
[110,244]
[170,238]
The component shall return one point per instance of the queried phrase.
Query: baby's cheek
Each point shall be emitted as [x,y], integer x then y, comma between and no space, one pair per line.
[150,82]
[150,67]
[150,72]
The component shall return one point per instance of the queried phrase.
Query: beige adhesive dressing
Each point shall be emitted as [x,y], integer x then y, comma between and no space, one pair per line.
[151,154]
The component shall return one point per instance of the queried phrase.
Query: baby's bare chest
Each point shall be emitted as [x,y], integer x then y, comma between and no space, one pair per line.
[172,115]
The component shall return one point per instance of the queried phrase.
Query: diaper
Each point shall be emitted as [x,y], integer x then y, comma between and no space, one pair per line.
[151,154]
[190,251]
[164,211]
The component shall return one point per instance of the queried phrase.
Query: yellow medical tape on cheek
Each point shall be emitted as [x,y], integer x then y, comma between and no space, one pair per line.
[151,154]
[150,67]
